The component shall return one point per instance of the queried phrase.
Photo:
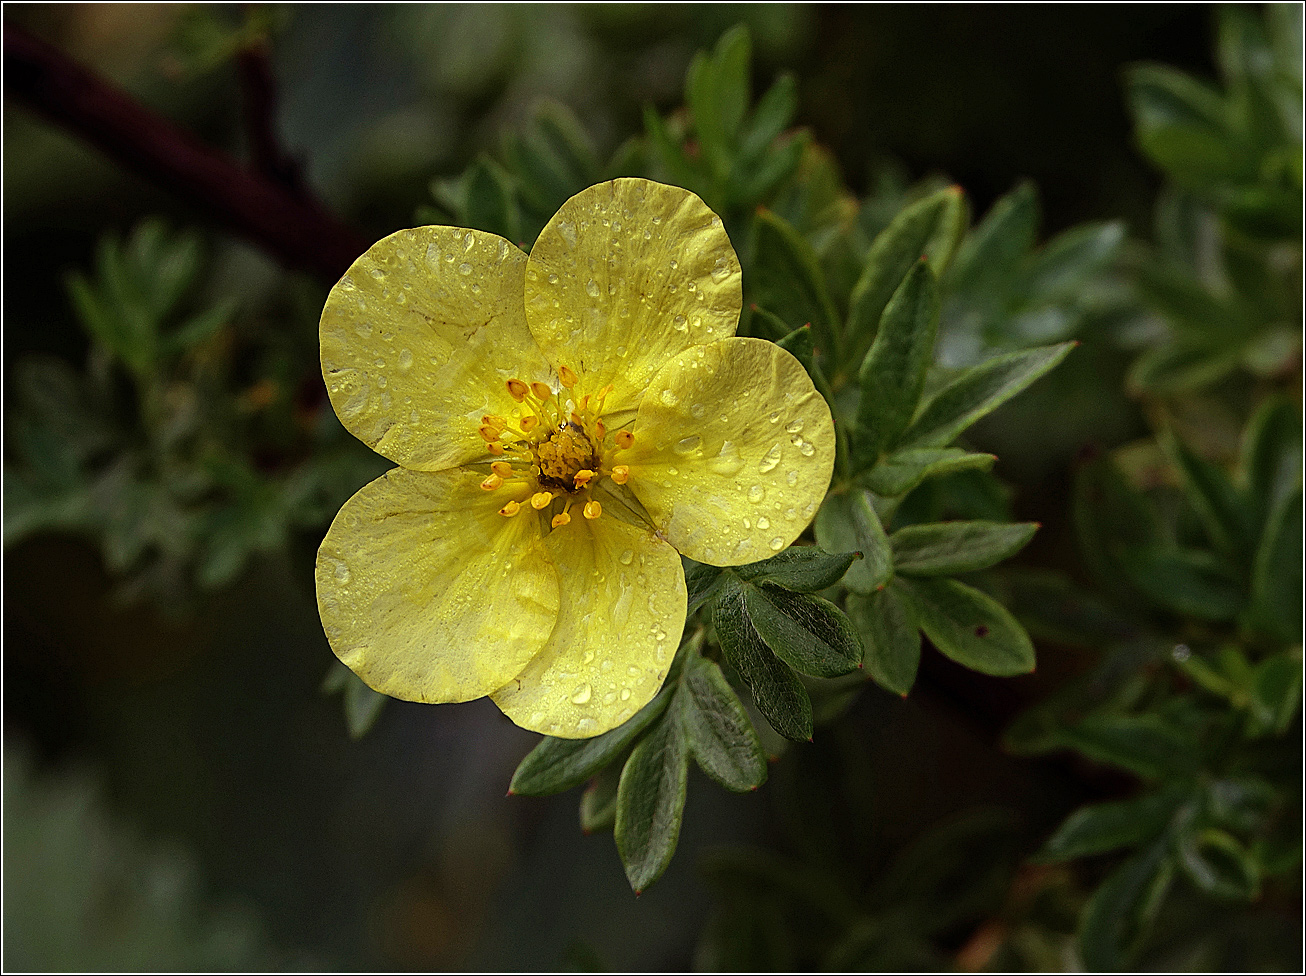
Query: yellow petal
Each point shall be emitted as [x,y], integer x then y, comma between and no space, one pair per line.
[427,593]
[733,451]
[627,274]
[622,612]
[419,339]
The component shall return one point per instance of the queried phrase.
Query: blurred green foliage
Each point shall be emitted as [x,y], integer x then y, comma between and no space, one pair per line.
[194,439]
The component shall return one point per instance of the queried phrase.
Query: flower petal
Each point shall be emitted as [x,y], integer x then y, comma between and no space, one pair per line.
[622,613]
[427,593]
[419,338]
[733,451]
[627,274]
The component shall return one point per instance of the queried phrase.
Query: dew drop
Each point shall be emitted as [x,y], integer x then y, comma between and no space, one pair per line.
[673,471]
[582,694]
[697,411]
[775,416]
[794,426]
[670,398]
[553,279]
[687,445]
[588,658]
[806,449]
[586,727]
[764,523]
[680,324]
[770,460]
[342,572]
[777,544]
[592,288]
[792,477]
[674,264]
[465,268]
[756,494]
[405,358]
[625,694]
[626,557]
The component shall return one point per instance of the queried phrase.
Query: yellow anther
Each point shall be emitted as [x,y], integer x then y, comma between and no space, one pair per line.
[561,519]
[494,447]
[541,500]
[620,473]
[492,482]
[502,468]
[567,377]
[541,390]
[529,422]
[601,429]
[583,477]
[603,393]
[593,510]
[494,420]
[575,418]
[518,390]
[489,433]
[624,439]
[511,509]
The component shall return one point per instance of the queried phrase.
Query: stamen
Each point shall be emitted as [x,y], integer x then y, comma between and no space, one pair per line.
[494,447]
[601,429]
[529,422]
[489,433]
[624,439]
[540,500]
[492,482]
[494,420]
[511,509]
[583,477]
[541,390]
[567,377]
[518,390]
[561,519]
[603,393]
[502,468]
[576,419]
[620,473]
[593,510]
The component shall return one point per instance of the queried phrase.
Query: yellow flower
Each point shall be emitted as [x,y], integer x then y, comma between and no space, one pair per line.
[565,422]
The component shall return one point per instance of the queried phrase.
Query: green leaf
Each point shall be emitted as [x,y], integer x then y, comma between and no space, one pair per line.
[774,111]
[788,281]
[1218,865]
[969,626]
[721,737]
[890,636]
[1103,827]
[848,522]
[752,186]
[1189,582]
[1117,917]
[1211,493]
[1272,455]
[948,548]
[1191,308]
[1066,262]
[1179,367]
[362,704]
[799,342]
[651,803]
[701,582]
[893,374]
[802,568]
[1277,571]
[598,804]
[977,391]
[1276,690]
[668,152]
[776,690]
[490,205]
[929,228]
[898,473]
[990,255]
[809,634]
[556,765]
[1146,745]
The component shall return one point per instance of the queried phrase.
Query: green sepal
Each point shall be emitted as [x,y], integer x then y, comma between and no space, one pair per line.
[969,626]
[977,391]
[362,704]
[890,636]
[556,764]
[893,374]
[651,802]
[721,737]
[949,548]
[849,521]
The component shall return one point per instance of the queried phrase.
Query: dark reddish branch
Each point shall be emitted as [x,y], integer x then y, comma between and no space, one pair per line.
[291,226]
[258,98]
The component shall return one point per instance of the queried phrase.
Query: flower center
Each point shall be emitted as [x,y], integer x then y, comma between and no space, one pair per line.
[552,453]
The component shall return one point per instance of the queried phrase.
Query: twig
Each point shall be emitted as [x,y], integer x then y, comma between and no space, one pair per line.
[294,228]
[258,97]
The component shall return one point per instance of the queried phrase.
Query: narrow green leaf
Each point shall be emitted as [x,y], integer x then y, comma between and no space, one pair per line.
[556,765]
[755,185]
[1146,745]
[799,342]
[702,582]
[774,112]
[1211,493]
[1219,865]
[788,280]
[977,391]
[490,205]
[848,522]
[776,690]
[994,250]
[362,707]
[732,57]
[969,626]
[929,228]
[893,373]
[809,634]
[948,548]
[1189,582]
[898,473]
[1178,367]
[1276,690]
[1190,307]
[651,803]
[1102,827]
[1121,911]
[598,804]
[1272,455]
[668,152]
[890,636]
[721,738]
[1067,261]
[802,568]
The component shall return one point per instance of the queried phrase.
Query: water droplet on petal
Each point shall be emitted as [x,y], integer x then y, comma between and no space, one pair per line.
[626,557]
[687,445]
[770,460]
[763,523]
[806,449]
[405,358]
[777,544]
[582,694]
[592,288]
[697,411]
[625,694]
[465,268]
[756,494]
